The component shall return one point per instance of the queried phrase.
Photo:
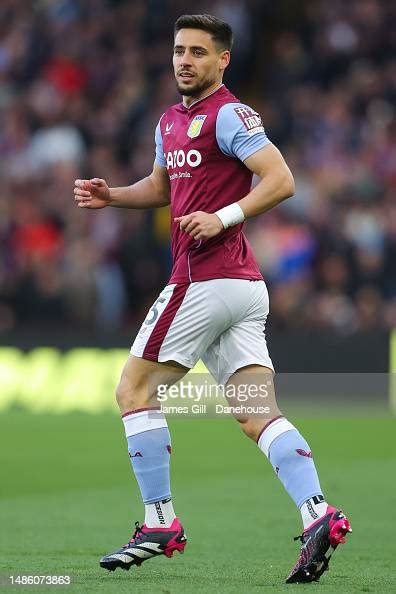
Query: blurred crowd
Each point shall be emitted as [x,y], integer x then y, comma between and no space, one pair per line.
[82,86]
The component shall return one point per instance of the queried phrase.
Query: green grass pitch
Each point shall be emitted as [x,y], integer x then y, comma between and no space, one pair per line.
[68,496]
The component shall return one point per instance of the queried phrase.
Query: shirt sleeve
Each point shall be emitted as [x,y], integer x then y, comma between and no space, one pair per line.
[239,131]
[159,150]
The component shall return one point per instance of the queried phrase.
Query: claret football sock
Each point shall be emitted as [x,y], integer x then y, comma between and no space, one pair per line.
[292,461]
[149,447]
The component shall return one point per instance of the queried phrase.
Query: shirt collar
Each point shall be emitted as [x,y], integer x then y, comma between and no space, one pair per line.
[205,97]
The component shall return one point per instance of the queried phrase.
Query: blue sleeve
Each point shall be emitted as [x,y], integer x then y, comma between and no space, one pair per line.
[159,151]
[239,131]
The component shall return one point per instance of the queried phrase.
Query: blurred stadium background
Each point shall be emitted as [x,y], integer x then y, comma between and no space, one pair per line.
[82,85]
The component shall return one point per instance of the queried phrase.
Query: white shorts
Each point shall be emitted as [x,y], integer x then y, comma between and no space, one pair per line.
[221,321]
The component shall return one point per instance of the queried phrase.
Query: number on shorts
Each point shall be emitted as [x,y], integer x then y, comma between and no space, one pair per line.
[154,311]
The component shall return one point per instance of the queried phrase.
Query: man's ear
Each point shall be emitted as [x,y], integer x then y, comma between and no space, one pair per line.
[225,57]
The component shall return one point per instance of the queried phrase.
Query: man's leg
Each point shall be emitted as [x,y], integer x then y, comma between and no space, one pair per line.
[283,445]
[180,326]
[291,458]
[147,433]
[149,448]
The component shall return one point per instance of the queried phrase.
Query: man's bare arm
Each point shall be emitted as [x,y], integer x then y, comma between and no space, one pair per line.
[276,182]
[152,191]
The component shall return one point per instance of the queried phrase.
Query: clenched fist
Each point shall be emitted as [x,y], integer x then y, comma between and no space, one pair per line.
[200,225]
[91,193]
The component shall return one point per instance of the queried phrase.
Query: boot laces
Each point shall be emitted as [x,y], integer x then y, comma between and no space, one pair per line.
[136,535]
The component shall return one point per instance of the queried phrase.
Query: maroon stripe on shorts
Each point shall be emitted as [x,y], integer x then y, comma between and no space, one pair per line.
[154,343]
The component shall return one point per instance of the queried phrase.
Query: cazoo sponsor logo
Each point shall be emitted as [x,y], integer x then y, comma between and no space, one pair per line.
[179,158]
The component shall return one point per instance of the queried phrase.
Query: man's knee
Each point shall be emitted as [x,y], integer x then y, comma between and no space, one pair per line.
[140,379]
[130,398]
[253,426]
[249,427]
[131,395]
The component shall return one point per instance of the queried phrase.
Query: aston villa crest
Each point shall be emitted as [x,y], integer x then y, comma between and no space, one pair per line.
[196,126]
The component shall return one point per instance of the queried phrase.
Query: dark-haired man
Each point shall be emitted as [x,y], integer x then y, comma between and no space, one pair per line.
[216,303]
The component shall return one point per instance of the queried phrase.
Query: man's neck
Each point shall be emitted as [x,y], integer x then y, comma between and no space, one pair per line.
[188,100]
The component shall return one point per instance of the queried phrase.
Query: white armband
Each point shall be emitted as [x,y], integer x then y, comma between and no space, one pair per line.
[230,215]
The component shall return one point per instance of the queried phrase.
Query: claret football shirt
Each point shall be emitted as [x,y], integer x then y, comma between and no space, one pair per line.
[203,147]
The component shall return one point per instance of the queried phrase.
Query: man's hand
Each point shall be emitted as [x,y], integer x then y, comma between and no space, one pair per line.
[200,225]
[91,193]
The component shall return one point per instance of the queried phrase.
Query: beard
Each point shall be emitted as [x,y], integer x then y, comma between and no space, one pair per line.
[196,89]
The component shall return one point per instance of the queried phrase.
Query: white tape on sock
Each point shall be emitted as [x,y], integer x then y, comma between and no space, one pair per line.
[271,432]
[137,422]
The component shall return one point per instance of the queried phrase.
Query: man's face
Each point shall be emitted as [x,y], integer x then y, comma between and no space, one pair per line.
[197,62]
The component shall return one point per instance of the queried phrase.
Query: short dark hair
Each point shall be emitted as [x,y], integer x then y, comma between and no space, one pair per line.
[220,31]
